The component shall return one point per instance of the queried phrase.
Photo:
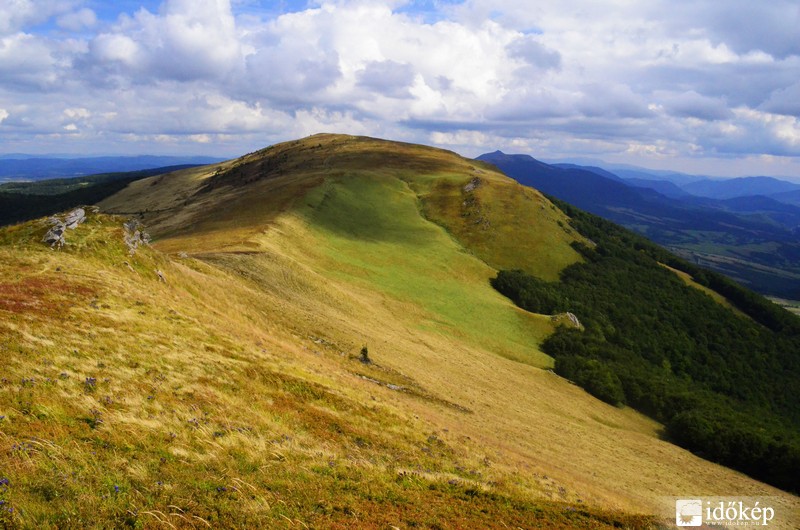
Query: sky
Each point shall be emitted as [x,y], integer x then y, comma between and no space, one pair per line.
[700,86]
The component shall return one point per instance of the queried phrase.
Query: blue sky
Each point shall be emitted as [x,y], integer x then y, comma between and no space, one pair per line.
[700,86]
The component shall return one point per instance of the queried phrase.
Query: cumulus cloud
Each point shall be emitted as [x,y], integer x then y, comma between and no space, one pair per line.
[78,20]
[529,48]
[784,101]
[185,41]
[15,15]
[744,26]
[27,61]
[661,78]
[387,78]
[690,104]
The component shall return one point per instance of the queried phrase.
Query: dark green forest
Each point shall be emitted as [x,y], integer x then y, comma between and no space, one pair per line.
[726,386]
[23,201]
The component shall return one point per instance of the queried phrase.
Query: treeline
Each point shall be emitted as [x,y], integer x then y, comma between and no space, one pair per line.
[727,387]
[23,201]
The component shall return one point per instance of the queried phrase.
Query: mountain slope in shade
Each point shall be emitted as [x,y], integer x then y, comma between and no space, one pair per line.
[584,188]
[325,350]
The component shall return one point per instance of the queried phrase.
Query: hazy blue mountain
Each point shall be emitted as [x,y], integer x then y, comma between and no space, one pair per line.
[664,187]
[755,240]
[788,197]
[755,207]
[740,187]
[594,169]
[632,172]
[35,168]
[583,188]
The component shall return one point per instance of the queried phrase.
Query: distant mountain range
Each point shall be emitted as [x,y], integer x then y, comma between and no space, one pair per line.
[747,228]
[740,187]
[28,167]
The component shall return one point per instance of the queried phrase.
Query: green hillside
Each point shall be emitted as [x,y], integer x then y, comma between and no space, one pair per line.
[724,379]
[234,392]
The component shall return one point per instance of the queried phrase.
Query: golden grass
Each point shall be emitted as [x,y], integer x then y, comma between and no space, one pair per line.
[233,395]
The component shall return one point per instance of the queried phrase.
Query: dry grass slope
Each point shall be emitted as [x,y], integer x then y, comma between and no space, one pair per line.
[233,395]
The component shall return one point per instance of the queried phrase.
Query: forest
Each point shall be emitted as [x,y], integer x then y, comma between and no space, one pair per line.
[725,384]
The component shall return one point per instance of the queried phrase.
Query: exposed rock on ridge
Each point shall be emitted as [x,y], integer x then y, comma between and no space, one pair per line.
[55,237]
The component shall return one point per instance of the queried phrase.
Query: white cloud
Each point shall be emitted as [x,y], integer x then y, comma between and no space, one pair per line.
[656,78]
[27,61]
[78,20]
[110,47]
[784,101]
[78,112]
[186,40]
[16,15]
[690,104]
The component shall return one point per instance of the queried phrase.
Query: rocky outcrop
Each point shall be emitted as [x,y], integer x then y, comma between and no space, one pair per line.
[472,185]
[134,236]
[74,218]
[567,319]
[471,206]
[56,236]
[574,320]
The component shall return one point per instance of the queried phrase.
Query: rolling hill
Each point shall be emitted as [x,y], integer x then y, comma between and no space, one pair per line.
[312,340]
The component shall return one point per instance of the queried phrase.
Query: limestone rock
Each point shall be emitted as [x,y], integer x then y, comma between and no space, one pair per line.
[472,184]
[133,236]
[575,322]
[567,319]
[55,236]
[74,218]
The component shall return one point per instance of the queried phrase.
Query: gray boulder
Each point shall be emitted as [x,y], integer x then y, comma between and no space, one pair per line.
[133,236]
[74,218]
[55,236]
